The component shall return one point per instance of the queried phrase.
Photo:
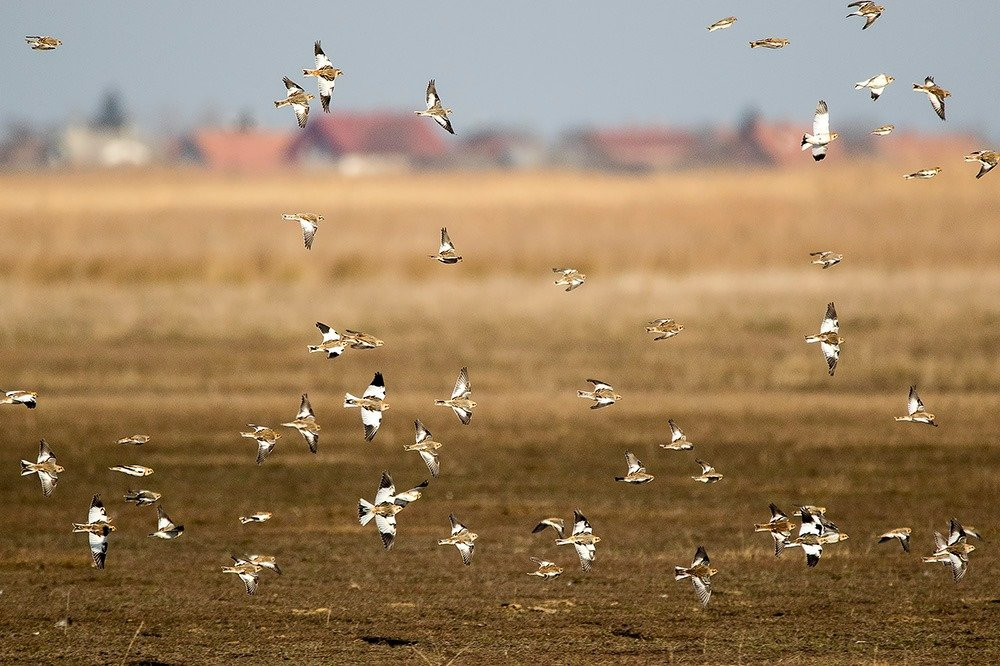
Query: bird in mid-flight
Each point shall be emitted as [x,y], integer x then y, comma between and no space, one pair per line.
[265,437]
[309,223]
[901,533]
[166,528]
[298,99]
[829,338]
[571,278]
[435,110]
[326,76]
[915,411]
[305,423]
[462,538]
[461,398]
[372,404]
[700,572]
[39,43]
[722,23]
[97,528]
[770,43]
[426,447]
[826,259]
[45,467]
[935,93]
[821,136]
[987,161]
[923,174]
[27,398]
[678,440]
[446,252]
[876,84]
[868,9]
[636,471]
[582,538]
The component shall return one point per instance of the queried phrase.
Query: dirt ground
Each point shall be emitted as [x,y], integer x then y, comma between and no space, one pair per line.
[180,305]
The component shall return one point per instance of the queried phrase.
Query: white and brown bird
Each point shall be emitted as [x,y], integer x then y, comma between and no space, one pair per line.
[868,9]
[770,43]
[358,340]
[426,447]
[326,75]
[876,85]
[434,108]
[602,395]
[462,538]
[935,93]
[372,403]
[259,517]
[461,398]
[383,510]
[97,528]
[27,398]
[298,99]
[305,423]
[446,251]
[915,411]
[309,223]
[166,528]
[678,440]
[134,440]
[829,338]
[265,437]
[45,467]
[664,328]
[43,43]
[900,533]
[987,161]
[722,24]
[583,539]
[708,473]
[269,562]
[546,570]
[954,551]
[556,524]
[883,130]
[923,174]
[636,471]
[333,344]
[132,470]
[247,571]
[412,495]
[142,497]
[700,572]
[570,278]
[780,527]
[821,136]
[810,537]
[826,258]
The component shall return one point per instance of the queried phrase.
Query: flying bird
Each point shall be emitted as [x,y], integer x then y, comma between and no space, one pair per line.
[97,528]
[383,510]
[358,340]
[269,562]
[265,437]
[708,473]
[583,539]
[142,497]
[987,160]
[666,328]
[722,24]
[546,570]
[876,84]
[333,344]
[821,136]
[571,278]
[298,99]
[435,110]
[826,258]
[809,537]
[45,467]
[372,404]
[247,571]
[700,572]
[829,338]
[915,411]
[883,130]
[409,496]
[305,423]
[134,440]
[461,538]
[868,9]
[166,528]
[446,252]
[953,552]
[636,472]
[259,517]
[678,440]
[132,470]
[555,523]
[27,398]
[936,94]
[309,223]
[923,174]
[901,533]
[461,398]
[39,43]
[426,447]
[770,43]
[780,527]
[602,395]
[326,76]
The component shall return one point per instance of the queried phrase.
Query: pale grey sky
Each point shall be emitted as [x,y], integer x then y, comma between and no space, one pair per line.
[543,64]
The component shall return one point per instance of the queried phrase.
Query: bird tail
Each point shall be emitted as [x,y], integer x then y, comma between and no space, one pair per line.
[26,468]
[563,542]
[805,142]
[585,394]
[440,403]
[859,85]
[680,573]
[79,527]
[754,45]
[365,513]
[813,338]
[758,527]
[350,400]
[619,478]
[277,104]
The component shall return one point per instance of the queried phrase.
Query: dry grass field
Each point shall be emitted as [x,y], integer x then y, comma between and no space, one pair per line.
[179,304]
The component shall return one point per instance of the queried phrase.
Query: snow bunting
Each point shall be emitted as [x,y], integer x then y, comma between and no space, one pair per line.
[636,472]
[265,438]
[259,517]
[462,539]
[700,572]
[987,160]
[411,495]
[722,24]
[305,423]
[298,99]
[883,130]
[923,174]
[821,136]
[97,527]
[708,473]
[555,523]
[571,278]
[434,109]
[583,539]
[426,447]
[602,395]
[446,252]
[666,328]
[876,84]
[779,526]
[770,43]
[134,440]
[372,404]
[333,344]
[45,467]
[954,552]
[27,398]
[142,497]
[678,440]
[358,340]
[936,94]
[809,537]
[546,569]
[132,470]
[269,562]
[869,10]
[166,528]
[383,510]
[326,75]
[460,401]
[829,338]
[309,223]
[901,533]
[825,258]
[247,571]
[39,43]
[915,411]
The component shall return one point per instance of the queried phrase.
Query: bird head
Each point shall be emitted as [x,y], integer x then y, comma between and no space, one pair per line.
[712,571]
[890,78]
[60,469]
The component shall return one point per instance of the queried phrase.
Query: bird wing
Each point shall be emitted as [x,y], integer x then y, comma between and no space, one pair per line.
[580,523]
[98,548]
[432,97]
[386,490]
[776,514]
[163,521]
[598,385]
[913,403]
[703,588]
[249,579]
[325,87]
[312,439]
[832,354]
[705,467]
[264,448]
[387,529]
[466,549]
[308,228]
[586,552]
[955,532]
[292,87]
[463,388]
[830,323]
[377,388]
[456,527]
[813,553]
[48,482]
[554,523]
[97,513]
[305,409]
[431,460]
[821,121]
[634,464]
[809,524]
[422,433]
[328,333]
[958,566]
[446,244]
[675,432]
[301,113]
[445,122]
[700,557]
[939,542]
[371,419]
[44,452]
[321,59]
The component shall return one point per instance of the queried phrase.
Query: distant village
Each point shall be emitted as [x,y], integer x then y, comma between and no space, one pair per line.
[391,141]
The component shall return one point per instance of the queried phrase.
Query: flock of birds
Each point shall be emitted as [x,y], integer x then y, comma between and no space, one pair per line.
[815,530]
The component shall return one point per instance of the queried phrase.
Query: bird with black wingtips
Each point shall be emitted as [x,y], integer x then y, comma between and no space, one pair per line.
[383,510]
[97,529]
[821,136]
[935,93]
[462,538]
[636,473]
[461,398]
[426,447]
[298,99]
[166,528]
[305,423]
[915,410]
[700,572]
[326,75]
[582,539]
[829,338]
[265,437]
[309,222]
[446,251]
[45,466]
[372,403]
[434,108]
